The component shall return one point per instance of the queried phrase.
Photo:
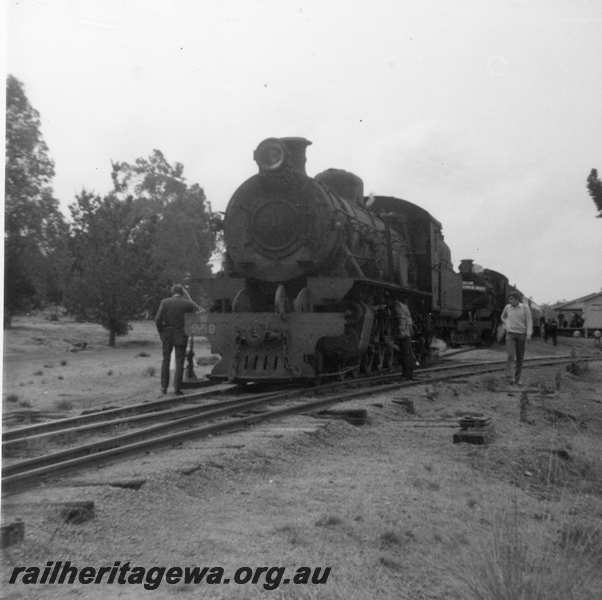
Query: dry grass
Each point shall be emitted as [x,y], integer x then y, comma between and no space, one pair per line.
[63,404]
[559,558]
[490,383]
[578,368]
[391,538]
[328,521]
[433,392]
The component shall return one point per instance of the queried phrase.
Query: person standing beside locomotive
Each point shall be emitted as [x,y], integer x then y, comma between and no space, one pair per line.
[403,318]
[518,324]
[170,325]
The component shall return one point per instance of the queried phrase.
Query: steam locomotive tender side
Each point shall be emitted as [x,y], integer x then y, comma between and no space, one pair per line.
[310,272]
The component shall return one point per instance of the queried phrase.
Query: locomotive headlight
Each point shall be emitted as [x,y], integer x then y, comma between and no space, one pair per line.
[270,155]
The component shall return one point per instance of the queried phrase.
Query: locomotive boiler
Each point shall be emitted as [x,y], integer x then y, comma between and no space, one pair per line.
[311,269]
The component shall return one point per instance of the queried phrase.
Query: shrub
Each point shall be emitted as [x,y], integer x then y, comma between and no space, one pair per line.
[63,405]
[521,561]
[328,521]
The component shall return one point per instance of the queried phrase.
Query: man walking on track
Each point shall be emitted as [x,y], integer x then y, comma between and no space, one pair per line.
[170,325]
[518,323]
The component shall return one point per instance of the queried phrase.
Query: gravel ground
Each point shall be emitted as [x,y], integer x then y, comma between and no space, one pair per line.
[393,507]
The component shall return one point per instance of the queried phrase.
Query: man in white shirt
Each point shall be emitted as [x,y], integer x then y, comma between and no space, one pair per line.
[518,323]
[405,329]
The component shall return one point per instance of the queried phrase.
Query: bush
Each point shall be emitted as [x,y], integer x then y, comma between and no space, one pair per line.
[522,561]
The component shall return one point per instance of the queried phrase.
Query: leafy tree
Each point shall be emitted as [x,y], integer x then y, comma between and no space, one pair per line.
[184,238]
[128,247]
[594,187]
[110,242]
[35,229]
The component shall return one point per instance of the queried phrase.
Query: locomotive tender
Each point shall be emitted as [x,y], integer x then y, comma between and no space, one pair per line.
[311,269]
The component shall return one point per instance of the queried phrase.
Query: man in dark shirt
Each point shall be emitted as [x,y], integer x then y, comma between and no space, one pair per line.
[170,325]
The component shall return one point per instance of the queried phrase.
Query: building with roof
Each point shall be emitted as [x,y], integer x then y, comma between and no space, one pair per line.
[588,308]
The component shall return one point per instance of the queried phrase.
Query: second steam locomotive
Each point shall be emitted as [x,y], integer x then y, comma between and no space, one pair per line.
[312,267]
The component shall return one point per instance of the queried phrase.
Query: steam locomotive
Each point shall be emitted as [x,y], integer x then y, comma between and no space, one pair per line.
[312,267]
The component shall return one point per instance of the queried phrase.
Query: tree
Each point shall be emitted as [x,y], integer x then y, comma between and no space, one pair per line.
[594,187]
[110,244]
[35,229]
[184,236]
[128,247]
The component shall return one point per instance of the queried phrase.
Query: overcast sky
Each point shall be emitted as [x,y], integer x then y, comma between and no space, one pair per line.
[486,113]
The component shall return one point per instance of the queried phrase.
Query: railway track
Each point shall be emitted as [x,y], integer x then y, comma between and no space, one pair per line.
[200,420]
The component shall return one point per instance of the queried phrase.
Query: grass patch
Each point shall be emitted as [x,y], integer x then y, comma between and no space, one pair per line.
[328,521]
[578,368]
[292,533]
[522,560]
[490,383]
[432,392]
[63,363]
[425,484]
[149,372]
[390,538]
[385,561]
[12,398]
[38,373]
[63,404]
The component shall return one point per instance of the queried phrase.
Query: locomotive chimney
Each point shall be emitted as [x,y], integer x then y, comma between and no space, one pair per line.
[466,266]
[274,154]
[295,147]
